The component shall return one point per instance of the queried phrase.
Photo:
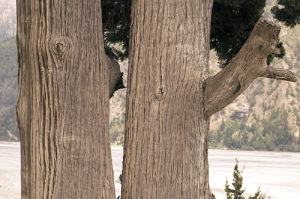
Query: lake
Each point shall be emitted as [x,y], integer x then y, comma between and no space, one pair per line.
[277,173]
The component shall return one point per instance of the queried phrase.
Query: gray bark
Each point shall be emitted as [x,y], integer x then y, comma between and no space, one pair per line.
[63,104]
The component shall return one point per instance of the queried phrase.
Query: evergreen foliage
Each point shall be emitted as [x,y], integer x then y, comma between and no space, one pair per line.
[288,12]
[237,191]
[231,24]
[116,27]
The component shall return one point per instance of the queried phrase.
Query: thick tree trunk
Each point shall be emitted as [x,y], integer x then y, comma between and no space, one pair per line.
[165,152]
[63,104]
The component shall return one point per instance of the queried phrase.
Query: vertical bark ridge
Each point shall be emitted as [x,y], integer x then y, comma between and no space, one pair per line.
[62,110]
[166,131]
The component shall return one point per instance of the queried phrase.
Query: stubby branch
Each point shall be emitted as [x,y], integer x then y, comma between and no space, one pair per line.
[115,77]
[279,74]
[250,63]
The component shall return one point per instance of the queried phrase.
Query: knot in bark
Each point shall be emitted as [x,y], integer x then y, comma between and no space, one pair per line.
[59,48]
[159,93]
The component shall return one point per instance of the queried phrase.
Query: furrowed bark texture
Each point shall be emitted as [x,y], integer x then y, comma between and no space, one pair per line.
[165,152]
[249,64]
[63,104]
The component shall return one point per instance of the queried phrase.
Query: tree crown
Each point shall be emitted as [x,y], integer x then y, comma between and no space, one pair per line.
[231,24]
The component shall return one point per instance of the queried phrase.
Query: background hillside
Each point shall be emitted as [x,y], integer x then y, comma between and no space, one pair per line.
[8,19]
[8,90]
[265,117]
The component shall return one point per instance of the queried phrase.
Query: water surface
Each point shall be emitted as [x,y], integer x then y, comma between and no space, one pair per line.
[277,173]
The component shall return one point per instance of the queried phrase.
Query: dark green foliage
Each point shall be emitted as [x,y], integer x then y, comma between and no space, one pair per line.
[237,191]
[231,24]
[281,55]
[116,27]
[287,12]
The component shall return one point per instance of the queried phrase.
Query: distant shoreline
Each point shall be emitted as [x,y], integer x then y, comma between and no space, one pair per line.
[8,142]
[215,149]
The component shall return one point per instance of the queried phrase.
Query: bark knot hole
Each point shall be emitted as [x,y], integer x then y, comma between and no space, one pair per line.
[60,46]
[159,93]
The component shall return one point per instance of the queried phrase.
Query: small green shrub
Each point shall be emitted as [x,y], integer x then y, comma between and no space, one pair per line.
[237,191]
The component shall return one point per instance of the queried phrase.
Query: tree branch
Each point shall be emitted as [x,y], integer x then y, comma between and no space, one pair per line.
[279,74]
[250,63]
[115,77]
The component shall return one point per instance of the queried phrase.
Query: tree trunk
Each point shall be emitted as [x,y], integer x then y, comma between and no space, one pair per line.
[63,104]
[165,151]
